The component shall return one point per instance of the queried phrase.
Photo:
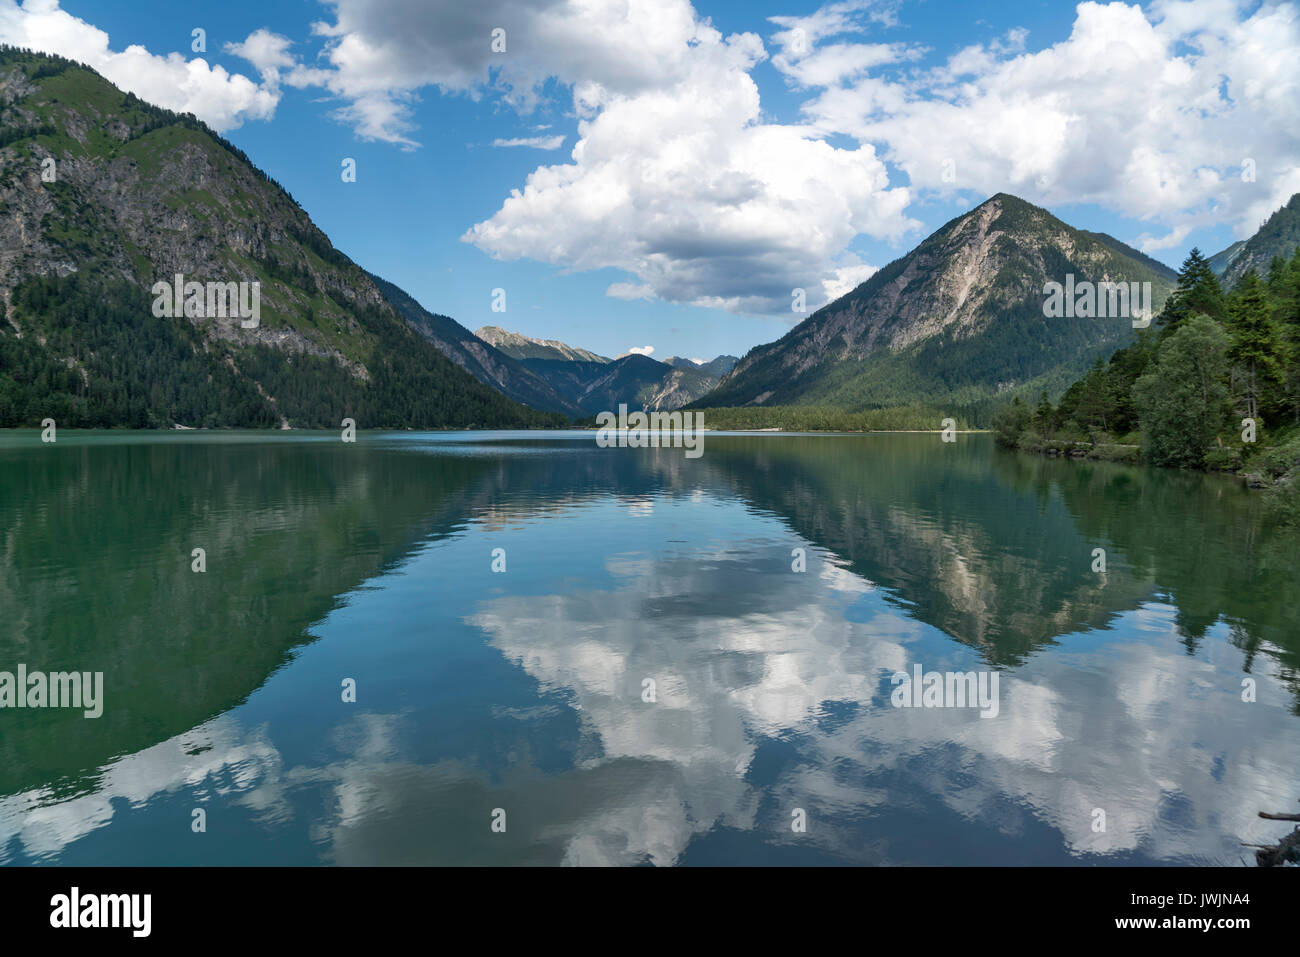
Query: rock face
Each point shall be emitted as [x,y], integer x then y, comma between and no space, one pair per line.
[958,320]
[1279,236]
[105,195]
[680,387]
[591,383]
[524,347]
[717,368]
[638,381]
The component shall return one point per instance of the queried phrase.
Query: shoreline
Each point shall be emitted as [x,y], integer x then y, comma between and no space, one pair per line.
[584,429]
[1250,475]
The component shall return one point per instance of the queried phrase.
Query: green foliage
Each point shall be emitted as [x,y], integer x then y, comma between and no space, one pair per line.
[1183,398]
[1258,349]
[1283,465]
[1284,287]
[93,355]
[1101,402]
[412,385]
[811,418]
[298,276]
[1188,384]
[1284,505]
[16,132]
[1116,452]
[1044,415]
[1010,422]
[1198,293]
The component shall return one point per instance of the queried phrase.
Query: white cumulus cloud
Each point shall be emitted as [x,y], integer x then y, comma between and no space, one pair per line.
[1154,114]
[684,186]
[222,99]
[267,51]
[677,178]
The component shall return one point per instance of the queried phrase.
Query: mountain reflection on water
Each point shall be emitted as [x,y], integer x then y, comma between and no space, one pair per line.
[524,690]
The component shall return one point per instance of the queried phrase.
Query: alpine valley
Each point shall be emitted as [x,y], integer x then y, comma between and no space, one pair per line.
[104,195]
[314,553]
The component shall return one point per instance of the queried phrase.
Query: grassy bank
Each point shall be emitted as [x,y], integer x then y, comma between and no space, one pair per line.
[802,418]
[1271,465]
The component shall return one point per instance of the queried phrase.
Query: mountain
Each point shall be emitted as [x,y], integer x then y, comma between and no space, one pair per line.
[955,322]
[638,381]
[1279,236]
[717,368]
[476,356]
[524,347]
[591,383]
[683,386]
[1224,258]
[104,197]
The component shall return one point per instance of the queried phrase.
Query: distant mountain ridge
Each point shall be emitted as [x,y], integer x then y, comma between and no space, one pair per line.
[524,347]
[717,367]
[477,356]
[638,381]
[958,320]
[1278,236]
[1224,258]
[591,383]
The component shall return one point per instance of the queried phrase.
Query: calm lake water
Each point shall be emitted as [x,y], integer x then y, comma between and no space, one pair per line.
[524,690]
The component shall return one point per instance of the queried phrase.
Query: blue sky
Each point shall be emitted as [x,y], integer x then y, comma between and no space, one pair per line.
[731,151]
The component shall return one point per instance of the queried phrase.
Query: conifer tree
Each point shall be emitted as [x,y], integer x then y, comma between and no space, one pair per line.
[1258,351]
[1198,293]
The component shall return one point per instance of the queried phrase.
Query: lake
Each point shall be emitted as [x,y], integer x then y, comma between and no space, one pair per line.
[519,648]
